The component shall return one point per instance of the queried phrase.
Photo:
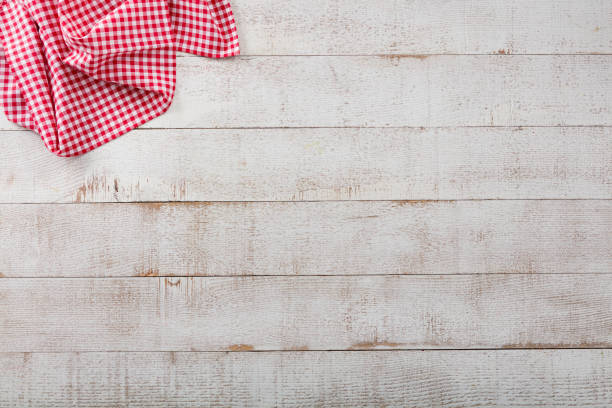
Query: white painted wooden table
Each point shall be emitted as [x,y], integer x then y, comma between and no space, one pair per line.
[400,203]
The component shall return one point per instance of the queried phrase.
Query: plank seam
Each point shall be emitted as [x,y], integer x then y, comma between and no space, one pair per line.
[417,56]
[427,350]
[520,127]
[415,201]
[363,275]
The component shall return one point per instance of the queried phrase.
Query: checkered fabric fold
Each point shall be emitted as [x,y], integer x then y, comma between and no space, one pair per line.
[80,73]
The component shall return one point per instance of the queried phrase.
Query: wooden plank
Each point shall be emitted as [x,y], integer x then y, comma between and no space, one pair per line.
[312,238]
[314,313]
[332,91]
[395,91]
[289,27]
[316,164]
[527,378]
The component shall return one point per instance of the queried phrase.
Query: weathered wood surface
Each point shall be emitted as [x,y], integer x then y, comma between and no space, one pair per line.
[311,238]
[314,313]
[366,91]
[380,91]
[332,100]
[516,378]
[316,164]
[289,27]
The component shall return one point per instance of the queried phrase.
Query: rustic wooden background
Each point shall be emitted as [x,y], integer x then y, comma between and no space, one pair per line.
[381,203]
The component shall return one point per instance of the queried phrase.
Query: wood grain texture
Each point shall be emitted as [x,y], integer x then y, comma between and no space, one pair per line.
[547,378]
[312,238]
[332,100]
[316,164]
[395,91]
[336,91]
[289,27]
[314,313]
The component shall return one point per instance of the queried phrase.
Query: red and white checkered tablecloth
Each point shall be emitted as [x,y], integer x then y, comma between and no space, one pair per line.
[83,72]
